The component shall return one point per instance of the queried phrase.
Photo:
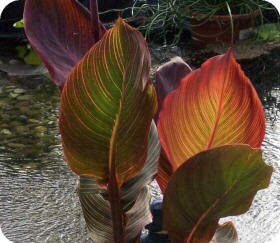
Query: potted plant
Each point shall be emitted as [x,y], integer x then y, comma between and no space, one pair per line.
[209,20]
[222,21]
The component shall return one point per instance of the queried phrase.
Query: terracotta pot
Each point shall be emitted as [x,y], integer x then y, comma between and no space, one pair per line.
[218,27]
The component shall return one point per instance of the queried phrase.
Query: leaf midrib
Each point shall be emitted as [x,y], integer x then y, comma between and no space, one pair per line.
[219,112]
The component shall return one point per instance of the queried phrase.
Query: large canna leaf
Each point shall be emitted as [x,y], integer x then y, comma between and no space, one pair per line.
[134,198]
[107,106]
[214,105]
[61,32]
[215,183]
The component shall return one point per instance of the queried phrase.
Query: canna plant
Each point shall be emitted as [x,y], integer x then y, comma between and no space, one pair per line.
[210,123]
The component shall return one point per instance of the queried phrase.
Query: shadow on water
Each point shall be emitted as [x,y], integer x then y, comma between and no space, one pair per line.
[38,202]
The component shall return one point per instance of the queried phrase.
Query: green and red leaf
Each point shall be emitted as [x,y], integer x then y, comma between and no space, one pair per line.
[61,32]
[215,183]
[214,105]
[134,198]
[107,106]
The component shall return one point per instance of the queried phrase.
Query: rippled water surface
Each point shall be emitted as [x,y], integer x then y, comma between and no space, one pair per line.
[38,202]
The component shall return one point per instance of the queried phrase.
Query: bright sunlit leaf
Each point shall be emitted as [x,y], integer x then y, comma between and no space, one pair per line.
[214,105]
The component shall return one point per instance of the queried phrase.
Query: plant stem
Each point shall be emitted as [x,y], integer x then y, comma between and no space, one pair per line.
[94,19]
[116,209]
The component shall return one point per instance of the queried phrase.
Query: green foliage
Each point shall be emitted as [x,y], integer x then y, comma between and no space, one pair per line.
[268,32]
[19,24]
[172,16]
[28,55]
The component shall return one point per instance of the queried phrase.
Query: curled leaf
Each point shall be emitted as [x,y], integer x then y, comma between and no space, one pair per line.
[61,33]
[134,197]
[168,77]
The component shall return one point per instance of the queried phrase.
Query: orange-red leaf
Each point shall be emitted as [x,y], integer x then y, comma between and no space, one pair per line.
[214,105]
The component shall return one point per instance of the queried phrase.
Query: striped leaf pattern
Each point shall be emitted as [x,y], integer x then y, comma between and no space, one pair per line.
[107,107]
[215,183]
[214,105]
[61,33]
[135,199]
[167,79]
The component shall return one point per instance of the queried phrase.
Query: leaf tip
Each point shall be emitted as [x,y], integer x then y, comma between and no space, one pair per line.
[121,23]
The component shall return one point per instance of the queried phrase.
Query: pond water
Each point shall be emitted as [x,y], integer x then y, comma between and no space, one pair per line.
[38,202]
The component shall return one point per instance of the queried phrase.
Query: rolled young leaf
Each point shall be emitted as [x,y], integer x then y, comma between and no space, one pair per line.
[168,77]
[215,183]
[214,105]
[97,213]
[107,106]
[94,203]
[61,33]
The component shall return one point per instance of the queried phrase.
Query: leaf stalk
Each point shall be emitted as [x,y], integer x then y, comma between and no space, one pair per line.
[95,19]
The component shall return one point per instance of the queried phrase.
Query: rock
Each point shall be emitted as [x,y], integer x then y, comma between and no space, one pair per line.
[40,129]
[15,124]
[33,121]
[4,125]
[14,61]
[16,145]
[2,103]
[16,167]
[39,135]
[22,103]
[29,152]
[24,109]
[21,129]
[5,118]
[33,113]
[5,132]
[25,97]
[14,95]
[19,91]
[30,166]
[23,118]
[7,107]
[11,87]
